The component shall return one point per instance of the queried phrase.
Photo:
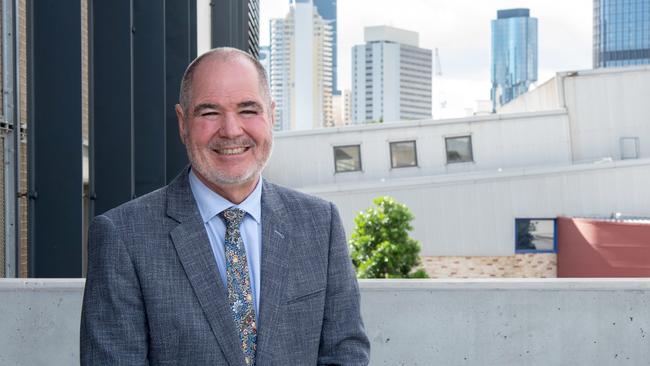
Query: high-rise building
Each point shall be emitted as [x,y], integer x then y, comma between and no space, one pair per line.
[347,106]
[621,33]
[514,55]
[265,59]
[391,76]
[327,10]
[301,68]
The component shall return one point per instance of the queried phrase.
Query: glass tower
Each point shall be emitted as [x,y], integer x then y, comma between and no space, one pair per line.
[621,32]
[514,55]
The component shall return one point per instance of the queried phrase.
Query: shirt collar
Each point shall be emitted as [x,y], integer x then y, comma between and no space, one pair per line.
[211,203]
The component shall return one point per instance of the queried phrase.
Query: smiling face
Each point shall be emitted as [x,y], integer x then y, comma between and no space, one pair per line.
[227,126]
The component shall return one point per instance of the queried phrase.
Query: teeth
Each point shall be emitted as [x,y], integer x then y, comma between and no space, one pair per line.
[232,151]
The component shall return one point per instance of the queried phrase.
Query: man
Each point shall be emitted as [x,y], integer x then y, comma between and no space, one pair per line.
[221,267]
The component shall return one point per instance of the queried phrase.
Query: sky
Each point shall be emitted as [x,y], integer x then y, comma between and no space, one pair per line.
[460,29]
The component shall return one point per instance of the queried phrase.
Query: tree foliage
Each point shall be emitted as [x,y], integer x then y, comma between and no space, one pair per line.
[380,244]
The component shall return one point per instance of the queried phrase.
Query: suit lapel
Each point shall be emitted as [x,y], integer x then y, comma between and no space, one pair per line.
[276,244]
[195,254]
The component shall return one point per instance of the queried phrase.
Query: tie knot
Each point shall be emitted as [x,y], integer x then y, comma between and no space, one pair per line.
[233,216]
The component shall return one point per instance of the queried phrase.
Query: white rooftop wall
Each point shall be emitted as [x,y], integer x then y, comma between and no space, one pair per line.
[543,98]
[390,34]
[302,159]
[604,105]
[474,214]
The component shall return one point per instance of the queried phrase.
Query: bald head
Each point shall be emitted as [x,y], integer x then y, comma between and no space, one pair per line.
[222,54]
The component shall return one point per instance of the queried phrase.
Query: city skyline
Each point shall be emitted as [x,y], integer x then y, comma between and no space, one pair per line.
[461,32]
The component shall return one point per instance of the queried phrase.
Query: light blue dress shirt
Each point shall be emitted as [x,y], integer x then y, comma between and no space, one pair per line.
[210,205]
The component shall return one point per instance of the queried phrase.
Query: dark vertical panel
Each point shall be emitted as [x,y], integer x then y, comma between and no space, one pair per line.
[149,95]
[229,24]
[180,50]
[55,138]
[111,104]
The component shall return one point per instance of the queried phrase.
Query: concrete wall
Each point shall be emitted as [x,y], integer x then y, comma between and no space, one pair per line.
[515,322]
[40,322]
[462,322]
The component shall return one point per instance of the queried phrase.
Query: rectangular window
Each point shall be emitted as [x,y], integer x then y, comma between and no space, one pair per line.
[403,154]
[629,147]
[535,236]
[459,149]
[347,158]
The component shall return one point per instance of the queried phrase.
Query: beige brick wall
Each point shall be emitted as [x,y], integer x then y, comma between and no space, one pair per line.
[517,266]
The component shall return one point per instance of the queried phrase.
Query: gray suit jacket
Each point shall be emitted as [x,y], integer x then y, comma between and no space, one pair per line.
[153,294]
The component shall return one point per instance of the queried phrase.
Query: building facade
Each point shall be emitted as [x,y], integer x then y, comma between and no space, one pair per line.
[327,10]
[514,55]
[301,68]
[265,59]
[391,77]
[572,147]
[621,33]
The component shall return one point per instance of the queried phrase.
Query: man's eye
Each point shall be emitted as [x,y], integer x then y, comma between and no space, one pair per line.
[249,111]
[209,114]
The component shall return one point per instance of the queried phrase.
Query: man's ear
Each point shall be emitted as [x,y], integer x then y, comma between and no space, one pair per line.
[182,122]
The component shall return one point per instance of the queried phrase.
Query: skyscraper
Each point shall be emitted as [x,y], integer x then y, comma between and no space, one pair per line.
[265,59]
[391,76]
[514,55]
[327,10]
[301,68]
[621,32]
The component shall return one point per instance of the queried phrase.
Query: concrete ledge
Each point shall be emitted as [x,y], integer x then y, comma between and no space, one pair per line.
[508,322]
[40,321]
[409,322]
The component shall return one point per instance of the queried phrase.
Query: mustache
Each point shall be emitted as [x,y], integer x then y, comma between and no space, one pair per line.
[221,143]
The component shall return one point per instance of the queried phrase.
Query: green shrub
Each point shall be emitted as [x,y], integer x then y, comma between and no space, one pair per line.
[380,245]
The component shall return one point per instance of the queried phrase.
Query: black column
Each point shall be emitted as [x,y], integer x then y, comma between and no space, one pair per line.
[54,148]
[111,107]
[235,23]
[139,52]
[149,110]
[180,50]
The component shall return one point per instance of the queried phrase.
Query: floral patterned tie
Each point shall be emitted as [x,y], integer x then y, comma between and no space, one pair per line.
[239,284]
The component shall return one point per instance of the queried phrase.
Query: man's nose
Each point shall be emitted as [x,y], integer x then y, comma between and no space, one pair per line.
[232,126]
